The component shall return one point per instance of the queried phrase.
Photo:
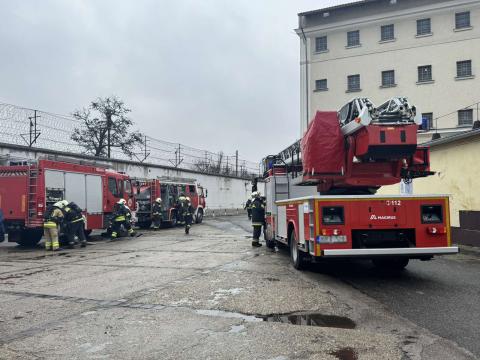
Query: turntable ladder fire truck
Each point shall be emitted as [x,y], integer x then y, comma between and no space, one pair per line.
[28,187]
[320,191]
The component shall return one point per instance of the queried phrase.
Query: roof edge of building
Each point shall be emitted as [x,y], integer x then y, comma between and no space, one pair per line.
[453,138]
[336,7]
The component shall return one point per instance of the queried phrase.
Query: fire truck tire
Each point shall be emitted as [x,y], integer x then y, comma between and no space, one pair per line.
[297,257]
[173,221]
[199,217]
[144,224]
[268,235]
[30,237]
[391,264]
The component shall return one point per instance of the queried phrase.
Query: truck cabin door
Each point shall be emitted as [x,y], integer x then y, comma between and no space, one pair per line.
[113,192]
[192,193]
[128,194]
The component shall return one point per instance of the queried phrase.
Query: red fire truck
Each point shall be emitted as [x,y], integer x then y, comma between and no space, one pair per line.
[320,191]
[27,188]
[168,189]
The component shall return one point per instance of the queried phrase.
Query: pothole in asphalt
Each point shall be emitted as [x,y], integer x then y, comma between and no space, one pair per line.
[345,354]
[312,319]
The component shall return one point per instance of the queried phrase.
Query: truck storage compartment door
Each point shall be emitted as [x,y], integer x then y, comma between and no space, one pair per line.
[282,221]
[94,194]
[13,195]
[54,186]
[75,189]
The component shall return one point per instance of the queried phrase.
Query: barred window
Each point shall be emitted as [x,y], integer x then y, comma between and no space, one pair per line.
[465,117]
[462,20]
[387,32]
[427,121]
[321,44]
[424,27]
[388,78]
[321,85]
[425,73]
[353,38]
[353,82]
[464,68]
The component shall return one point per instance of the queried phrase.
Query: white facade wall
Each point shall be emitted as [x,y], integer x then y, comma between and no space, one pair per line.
[442,50]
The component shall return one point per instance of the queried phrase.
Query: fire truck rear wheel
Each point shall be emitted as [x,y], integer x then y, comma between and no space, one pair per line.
[297,256]
[29,237]
[199,217]
[391,264]
[173,221]
[268,235]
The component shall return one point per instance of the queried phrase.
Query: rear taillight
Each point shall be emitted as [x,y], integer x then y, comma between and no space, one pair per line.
[432,214]
[434,230]
[331,232]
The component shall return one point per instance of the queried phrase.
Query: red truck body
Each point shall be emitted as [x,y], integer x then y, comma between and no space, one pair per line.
[27,190]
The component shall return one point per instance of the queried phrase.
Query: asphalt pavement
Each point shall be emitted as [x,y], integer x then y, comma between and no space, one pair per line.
[207,295]
[441,295]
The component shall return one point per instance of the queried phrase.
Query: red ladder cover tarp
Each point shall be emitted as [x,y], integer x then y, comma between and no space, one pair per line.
[323,149]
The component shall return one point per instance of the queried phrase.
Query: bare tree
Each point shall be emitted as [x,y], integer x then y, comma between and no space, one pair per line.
[106,126]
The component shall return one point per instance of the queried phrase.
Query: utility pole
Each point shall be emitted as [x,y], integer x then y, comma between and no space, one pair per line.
[32,133]
[109,128]
[178,158]
[236,163]
[146,153]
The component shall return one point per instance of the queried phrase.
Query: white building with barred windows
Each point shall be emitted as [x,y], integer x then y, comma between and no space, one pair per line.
[426,50]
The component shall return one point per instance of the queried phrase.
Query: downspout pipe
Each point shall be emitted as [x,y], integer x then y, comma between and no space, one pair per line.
[306,72]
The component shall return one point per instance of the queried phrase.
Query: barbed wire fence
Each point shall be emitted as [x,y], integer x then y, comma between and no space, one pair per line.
[41,129]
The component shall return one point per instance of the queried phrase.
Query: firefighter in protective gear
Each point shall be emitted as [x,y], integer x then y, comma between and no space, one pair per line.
[53,217]
[75,224]
[157,213]
[187,213]
[258,217]
[181,199]
[248,207]
[121,216]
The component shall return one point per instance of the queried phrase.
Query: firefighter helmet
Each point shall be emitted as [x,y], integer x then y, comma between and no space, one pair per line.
[64,202]
[59,204]
[158,200]
[122,201]
[188,198]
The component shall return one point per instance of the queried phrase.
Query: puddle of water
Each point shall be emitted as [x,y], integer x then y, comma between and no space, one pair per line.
[312,320]
[236,329]
[345,354]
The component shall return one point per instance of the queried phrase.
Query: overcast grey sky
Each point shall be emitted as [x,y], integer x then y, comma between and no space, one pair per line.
[212,74]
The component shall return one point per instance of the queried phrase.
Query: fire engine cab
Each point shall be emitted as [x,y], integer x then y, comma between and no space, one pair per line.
[321,191]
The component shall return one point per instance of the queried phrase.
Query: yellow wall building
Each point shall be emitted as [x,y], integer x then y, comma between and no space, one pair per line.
[455,160]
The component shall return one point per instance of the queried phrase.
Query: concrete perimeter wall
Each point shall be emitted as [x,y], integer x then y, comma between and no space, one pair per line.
[224,192]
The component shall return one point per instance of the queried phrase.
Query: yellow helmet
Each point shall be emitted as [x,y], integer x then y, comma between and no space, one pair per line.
[158,200]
